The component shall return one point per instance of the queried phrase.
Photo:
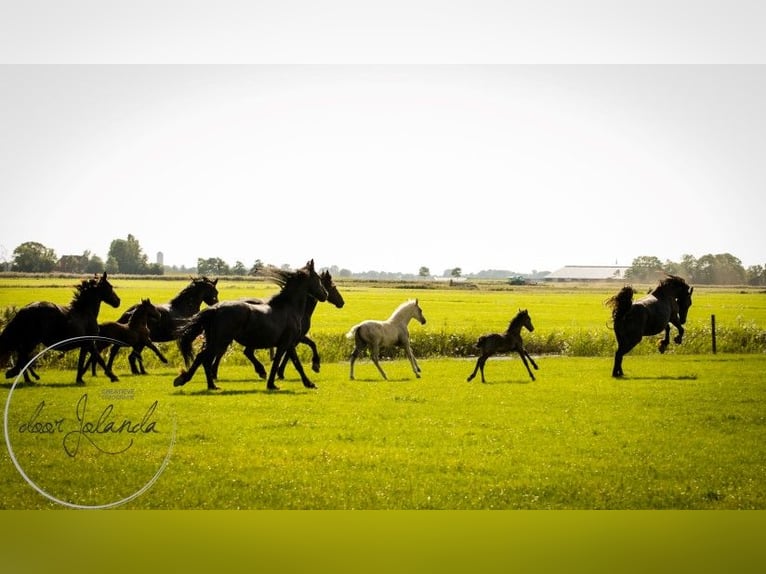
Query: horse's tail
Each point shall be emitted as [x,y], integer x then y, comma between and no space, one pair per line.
[190,330]
[621,303]
[8,338]
[352,332]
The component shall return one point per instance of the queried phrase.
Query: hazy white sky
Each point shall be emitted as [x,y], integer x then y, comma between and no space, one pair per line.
[385,167]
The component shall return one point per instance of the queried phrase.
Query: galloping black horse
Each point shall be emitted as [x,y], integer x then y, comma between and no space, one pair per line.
[171,317]
[333,296]
[494,343]
[47,323]
[667,304]
[275,323]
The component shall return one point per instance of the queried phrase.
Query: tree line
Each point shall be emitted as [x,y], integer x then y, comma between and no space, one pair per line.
[719,269]
[126,257]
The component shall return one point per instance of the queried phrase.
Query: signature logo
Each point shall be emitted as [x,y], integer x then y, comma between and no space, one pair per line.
[106,423]
[95,449]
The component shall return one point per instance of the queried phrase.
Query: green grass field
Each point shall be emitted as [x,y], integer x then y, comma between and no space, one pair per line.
[681,431]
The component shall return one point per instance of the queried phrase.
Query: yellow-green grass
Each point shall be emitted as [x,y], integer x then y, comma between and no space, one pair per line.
[679,432]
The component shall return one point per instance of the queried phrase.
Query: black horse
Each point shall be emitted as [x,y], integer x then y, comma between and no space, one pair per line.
[135,334]
[275,323]
[171,317]
[333,296]
[47,323]
[667,304]
[495,343]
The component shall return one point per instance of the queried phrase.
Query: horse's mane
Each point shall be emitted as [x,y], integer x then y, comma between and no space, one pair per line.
[673,282]
[189,288]
[278,276]
[80,291]
[673,279]
[517,319]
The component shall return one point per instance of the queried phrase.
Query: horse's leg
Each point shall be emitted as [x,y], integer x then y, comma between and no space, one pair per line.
[315,362]
[186,375]
[278,354]
[156,350]
[136,363]
[357,352]
[292,354]
[260,370]
[481,362]
[680,337]
[475,370]
[524,360]
[665,341]
[374,350]
[531,360]
[96,356]
[411,357]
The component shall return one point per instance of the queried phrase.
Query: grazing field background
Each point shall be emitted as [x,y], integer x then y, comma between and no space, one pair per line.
[684,430]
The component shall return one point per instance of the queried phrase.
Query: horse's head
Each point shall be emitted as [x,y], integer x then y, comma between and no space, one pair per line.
[682,293]
[684,302]
[316,289]
[207,288]
[419,312]
[106,292]
[333,295]
[525,319]
[148,309]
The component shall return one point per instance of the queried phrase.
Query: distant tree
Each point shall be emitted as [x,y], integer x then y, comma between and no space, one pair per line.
[257,267]
[728,270]
[644,268]
[212,266]
[128,256]
[111,266]
[239,269]
[94,265]
[756,275]
[33,257]
[456,272]
[424,271]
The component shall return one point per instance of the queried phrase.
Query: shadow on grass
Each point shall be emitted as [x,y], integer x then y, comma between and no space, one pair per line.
[224,391]
[660,378]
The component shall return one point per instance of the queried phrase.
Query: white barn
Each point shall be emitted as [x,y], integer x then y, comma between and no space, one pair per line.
[588,273]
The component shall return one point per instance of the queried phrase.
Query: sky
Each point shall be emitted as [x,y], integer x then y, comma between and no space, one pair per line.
[364,162]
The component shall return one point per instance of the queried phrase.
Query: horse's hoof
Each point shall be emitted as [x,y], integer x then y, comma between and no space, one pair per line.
[310,385]
[179,381]
[272,388]
[315,367]
[678,340]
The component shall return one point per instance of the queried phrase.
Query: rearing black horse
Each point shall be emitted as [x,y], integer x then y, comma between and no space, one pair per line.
[275,323]
[47,323]
[667,304]
[171,317]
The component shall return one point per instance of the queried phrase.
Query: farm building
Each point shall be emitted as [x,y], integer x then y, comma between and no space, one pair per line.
[588,273]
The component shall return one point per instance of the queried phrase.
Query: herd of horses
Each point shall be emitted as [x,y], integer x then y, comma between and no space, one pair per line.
[280,323]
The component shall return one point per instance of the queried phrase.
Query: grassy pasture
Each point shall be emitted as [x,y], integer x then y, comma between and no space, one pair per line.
[681,432]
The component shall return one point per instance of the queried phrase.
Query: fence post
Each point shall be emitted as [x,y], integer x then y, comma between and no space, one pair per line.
[712,330]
